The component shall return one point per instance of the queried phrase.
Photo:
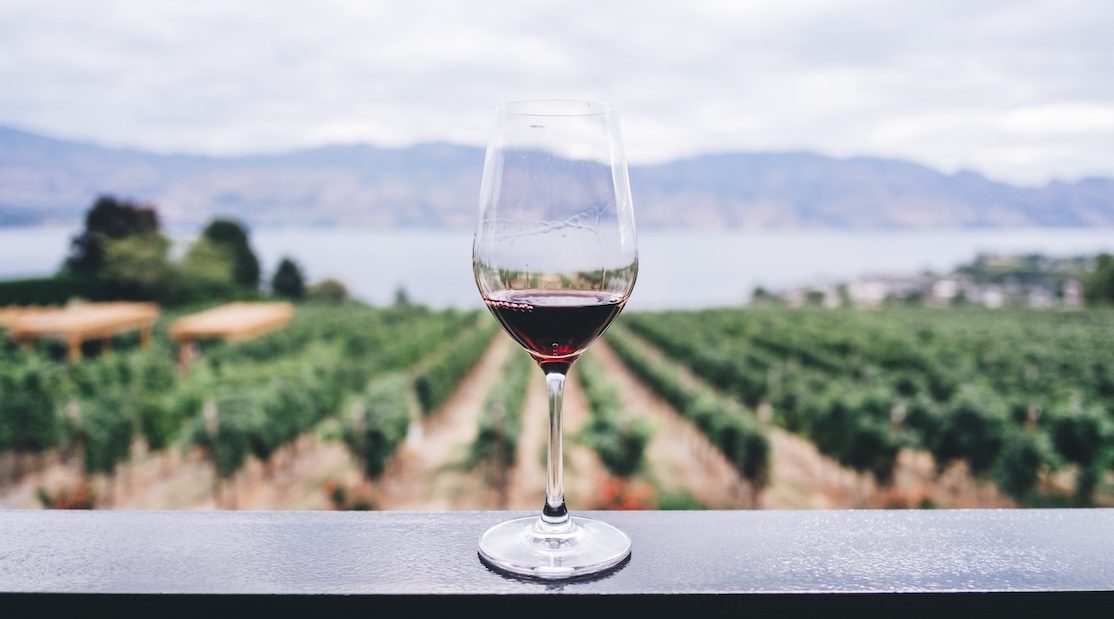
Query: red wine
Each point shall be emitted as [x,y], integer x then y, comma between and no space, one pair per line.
[555,326]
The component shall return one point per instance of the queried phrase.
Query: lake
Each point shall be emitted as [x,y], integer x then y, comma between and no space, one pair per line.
[683,270]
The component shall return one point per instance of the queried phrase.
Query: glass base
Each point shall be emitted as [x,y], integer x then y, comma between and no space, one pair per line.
[530,547]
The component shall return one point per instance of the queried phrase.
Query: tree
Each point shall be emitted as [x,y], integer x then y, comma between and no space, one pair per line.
[288,281]
[206,272]
[328,291]
[761,296]
[109,219]
[137,267]
[402,299]
[1098,287]
[231,235]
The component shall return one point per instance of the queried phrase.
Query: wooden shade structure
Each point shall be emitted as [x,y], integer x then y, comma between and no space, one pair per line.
[11,314]
[229,322]
[79,323]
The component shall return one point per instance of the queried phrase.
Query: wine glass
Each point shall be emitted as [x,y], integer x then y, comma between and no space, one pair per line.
[555,259]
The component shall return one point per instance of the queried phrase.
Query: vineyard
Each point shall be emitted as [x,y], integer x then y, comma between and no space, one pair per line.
[403,407]
[1019,399]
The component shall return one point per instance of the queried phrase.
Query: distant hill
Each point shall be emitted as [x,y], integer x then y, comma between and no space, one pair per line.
[45,180]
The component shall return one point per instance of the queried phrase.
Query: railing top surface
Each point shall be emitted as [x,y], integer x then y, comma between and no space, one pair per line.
[423,553]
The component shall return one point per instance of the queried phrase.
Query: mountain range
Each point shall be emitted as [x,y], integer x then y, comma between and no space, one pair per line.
[45,180]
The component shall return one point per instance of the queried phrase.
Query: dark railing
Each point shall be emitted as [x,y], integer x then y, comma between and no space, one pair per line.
[965,562]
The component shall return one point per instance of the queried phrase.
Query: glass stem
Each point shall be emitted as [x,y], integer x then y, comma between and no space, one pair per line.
[555,516]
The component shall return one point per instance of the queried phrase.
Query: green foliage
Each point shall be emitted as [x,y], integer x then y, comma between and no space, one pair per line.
[618,437]
[30,406]
[108,219]
[105,428]
[1023,457]
[500,423]
[437,380]
[960,382]
[237,401]
[1080,434]
[225,428]
[377,421]
[206,273]
[733,431]
[746,447]
[762,297]
[331,360]
[288,281]
[857,429]
[402,298]
[122,254]
[255,410]
[233,238]
[1098,286]
[728,426]
[136,267]
[159,420]
[108,399]
[328,291]
[47,290]
[153,391]
[972,429]
[1083,437]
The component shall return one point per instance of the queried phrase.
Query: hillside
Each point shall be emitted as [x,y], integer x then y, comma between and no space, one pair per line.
[45,180]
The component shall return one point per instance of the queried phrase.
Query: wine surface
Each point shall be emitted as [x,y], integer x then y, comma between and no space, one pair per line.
[555,326]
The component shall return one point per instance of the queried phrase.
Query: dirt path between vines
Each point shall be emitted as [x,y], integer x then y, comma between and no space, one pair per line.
[583,476]
[425,476]
[683,464]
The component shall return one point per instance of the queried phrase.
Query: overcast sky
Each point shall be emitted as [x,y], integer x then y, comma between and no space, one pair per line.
[1022,91]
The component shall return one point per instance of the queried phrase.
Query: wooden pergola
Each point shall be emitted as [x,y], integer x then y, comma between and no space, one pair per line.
[230,322]
[76,324]
[10,314]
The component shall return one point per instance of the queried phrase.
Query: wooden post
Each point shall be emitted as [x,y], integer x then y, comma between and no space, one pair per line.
[73,348]
[185,352]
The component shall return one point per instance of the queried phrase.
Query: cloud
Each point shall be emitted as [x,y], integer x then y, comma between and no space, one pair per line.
[952,84]
[1064,118]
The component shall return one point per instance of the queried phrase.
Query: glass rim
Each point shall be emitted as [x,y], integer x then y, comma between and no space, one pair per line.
[556,107]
